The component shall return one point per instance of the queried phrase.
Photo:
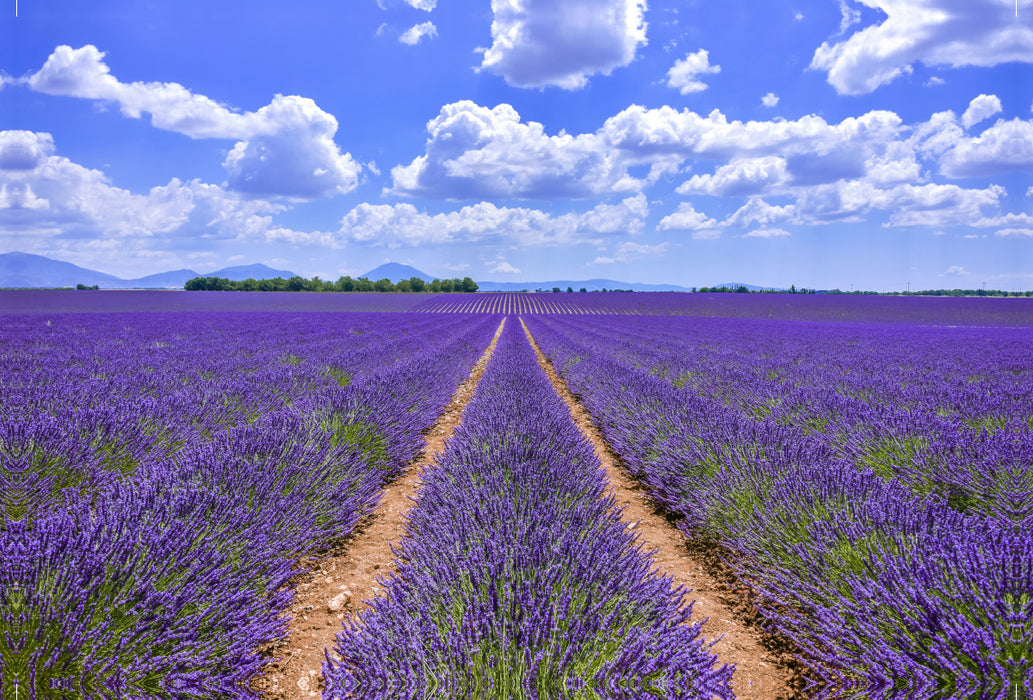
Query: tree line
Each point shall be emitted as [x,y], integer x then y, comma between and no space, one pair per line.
[343,284]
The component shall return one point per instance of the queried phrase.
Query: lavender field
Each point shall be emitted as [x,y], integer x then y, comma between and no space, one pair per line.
[167,459]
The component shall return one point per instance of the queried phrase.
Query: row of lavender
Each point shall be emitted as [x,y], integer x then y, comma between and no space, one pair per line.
[872,482]
[517,578]
[160,475]
[944,311]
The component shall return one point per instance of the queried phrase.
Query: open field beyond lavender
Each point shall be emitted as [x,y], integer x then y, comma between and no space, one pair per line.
[866,464]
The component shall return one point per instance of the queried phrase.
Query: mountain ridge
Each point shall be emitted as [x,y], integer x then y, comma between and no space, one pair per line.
[27,270]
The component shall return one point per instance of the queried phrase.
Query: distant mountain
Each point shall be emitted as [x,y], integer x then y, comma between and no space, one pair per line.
[243,272]
[396,272]
[751,287]
[25,270]
[163,280]
[576,285]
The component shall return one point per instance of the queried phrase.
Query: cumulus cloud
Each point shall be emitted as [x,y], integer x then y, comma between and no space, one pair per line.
[46,195]
[425,5]
[683,75]
[954,271]
[646,133]
[284,149]
[769,100]
[539,43]
[1004,147]
[24,150]
[299,159]
[503,267]
[936,32]
[628,251]
[414,34]
[834,171]
[908,205]
[982,107]
[742,176]
[628,216]
[768,233]
[474,152]
[403,224]
[849,16]
[688,219]
[1015,233]
[758,212]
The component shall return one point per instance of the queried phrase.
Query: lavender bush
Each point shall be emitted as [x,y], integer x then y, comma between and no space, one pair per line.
[884,520]
[160,474]
[516,576]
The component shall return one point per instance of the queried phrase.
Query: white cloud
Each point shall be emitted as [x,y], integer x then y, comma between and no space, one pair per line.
[742,176]
[688,219]
[908,205]
[503,267]
[1011,220]
[78,209]
[769,100]
[646,133]
[474,152]
[835,171]
[935,81]
[21,197]
[24,150]
[683,74]
[629,251]
[936,32]
[285,148]
[982,107]
[954,271]
[403,224]
[538,43]
[1015,233]
[414,34]
[758,212]
[768,233]
[849,16]
[456,267]
[299,159]
[1004,147]
[626,217]
[426,5]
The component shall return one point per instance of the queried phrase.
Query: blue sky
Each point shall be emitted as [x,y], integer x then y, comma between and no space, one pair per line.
[822,143]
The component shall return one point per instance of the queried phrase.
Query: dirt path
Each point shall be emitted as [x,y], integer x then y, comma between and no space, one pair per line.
[338,584]
[761,673]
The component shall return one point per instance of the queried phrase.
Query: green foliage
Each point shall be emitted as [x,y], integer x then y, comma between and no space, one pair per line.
[363,436]
[892,454]
[344,284]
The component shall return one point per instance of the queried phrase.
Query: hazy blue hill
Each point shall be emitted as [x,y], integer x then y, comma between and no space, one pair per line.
[243,272]
[396,272]
[174,279]
[27,270]
[751,287]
